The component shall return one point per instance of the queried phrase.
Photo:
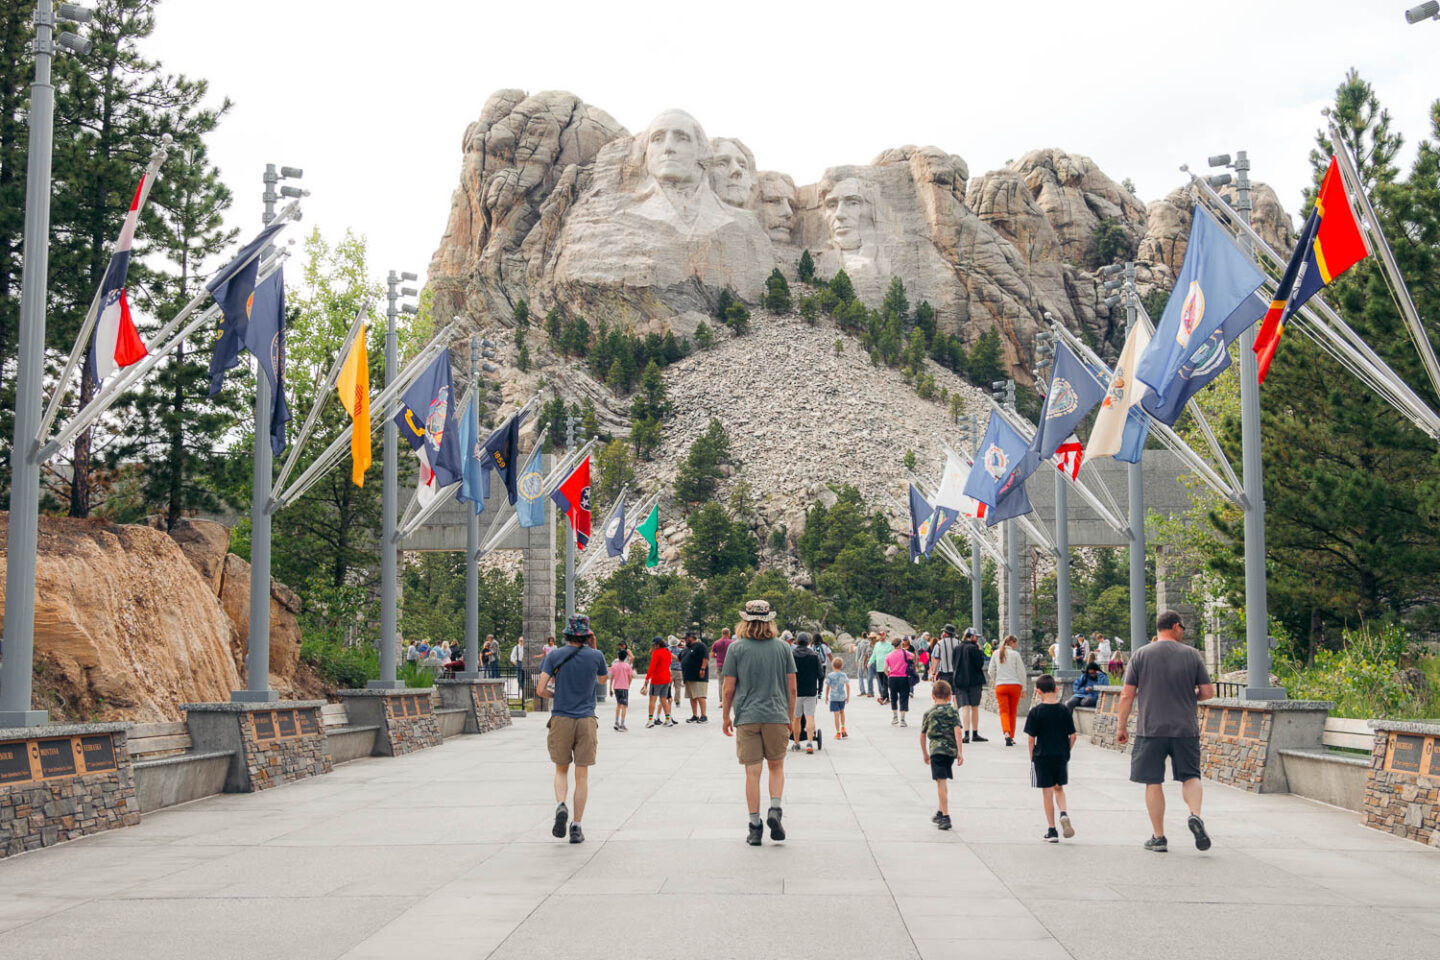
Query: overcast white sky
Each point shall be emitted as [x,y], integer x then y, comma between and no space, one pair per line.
[371,97]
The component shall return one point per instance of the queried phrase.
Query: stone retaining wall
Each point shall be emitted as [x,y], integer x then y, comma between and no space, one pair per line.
[483,700]
[271,743]
[41,812]
[1106,725]
[1241,740]
[1402,791]
[406,718]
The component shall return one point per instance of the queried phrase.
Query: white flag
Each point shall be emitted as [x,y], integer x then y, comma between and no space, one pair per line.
[426,486]
[952,489]
[1124,392]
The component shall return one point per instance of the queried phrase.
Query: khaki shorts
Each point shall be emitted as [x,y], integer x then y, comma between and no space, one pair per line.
[572,740]
[757,741]
[697,689]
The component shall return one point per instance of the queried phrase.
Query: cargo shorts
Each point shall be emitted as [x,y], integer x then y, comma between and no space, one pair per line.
[572,740]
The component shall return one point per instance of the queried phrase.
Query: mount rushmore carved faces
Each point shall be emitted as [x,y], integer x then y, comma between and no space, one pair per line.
[676,149]
[849,213]
[732,170]
[677,191]
[777,205]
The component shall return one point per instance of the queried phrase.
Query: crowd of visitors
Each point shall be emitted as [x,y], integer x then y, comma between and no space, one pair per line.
[772,685]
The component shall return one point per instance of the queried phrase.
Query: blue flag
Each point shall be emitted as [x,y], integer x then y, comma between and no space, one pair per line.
[941,520]
[472,473]
[615,532]
[1132,441]
[921,513]
[999,455]
[1206,363]
[1215,279]
[1074,392]
[427,418]
[530,508]
[232,288]
[502,451]
[1014,503]
[265,338]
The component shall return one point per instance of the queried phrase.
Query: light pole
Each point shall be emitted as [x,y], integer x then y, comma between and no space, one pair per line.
[1257,606]
[977,572]
[257,644]
[389,541]
[17,667]
[1004,393]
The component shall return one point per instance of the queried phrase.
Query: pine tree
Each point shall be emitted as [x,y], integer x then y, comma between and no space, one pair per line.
[777,292]
[841,286]
[986,364]
[896,305]
[704,336]
[805,267]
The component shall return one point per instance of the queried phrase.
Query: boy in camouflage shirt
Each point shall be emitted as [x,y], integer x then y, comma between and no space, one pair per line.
[940,747]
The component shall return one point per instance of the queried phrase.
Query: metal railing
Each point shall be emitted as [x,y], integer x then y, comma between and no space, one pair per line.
[1229,689]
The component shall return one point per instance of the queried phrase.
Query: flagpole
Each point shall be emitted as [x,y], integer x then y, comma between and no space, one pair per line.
[570,540]
[389,496]
[1063,612]
[1135,483]
[472,532]
[1257,607]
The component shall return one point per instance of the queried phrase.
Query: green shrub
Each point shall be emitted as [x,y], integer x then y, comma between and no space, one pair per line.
[1362,677]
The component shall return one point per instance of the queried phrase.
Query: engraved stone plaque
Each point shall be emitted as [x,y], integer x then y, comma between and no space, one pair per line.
[308,723]
[98,753]
[1213,718]
[264,725]
[15,762]
[1232,723]
[1406,752]
[57,758]
[285,720]
[1253,720]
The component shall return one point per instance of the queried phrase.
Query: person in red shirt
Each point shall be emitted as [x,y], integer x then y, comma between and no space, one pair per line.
[657,682]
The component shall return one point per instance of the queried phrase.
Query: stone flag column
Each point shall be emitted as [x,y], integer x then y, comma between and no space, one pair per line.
[539,599]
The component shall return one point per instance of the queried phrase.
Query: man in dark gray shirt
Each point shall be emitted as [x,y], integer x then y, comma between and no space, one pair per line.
[1168,678]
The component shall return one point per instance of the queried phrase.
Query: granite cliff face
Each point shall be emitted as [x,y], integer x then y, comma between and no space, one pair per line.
[561,205]
[131,622]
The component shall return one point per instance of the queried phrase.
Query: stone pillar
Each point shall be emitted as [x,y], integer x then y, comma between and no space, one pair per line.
[1241,740]
[1402,789]
[1172,585]
[1027,598]
[539,598]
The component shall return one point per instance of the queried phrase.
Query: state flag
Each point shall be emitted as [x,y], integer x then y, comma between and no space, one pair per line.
[615,532]
[648,530]
[233,289]
[265,339]
[427,422]
[353,385]
[1068,457]
[502,451]
[952,489]
[1108,433]
[530,507]
[1072,394]
[573,499]
[116,343]
[472,471]
[999,458]
[1330,243]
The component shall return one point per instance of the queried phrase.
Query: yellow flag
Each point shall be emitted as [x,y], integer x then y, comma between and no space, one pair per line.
[354,388]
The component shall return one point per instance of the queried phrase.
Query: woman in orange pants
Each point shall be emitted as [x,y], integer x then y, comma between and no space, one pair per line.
[1007,670]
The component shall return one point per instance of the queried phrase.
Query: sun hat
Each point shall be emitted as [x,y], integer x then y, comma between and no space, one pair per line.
[578,626]
[757,610]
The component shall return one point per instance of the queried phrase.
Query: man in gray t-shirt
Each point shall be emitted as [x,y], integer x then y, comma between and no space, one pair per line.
[1168,678]
[758,700]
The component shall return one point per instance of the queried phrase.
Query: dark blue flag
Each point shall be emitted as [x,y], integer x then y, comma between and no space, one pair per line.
[1015,502]
[502,451]
[615,532]
[265,338]
[1214,281]
[1074,391]
[530,506]
[921,514]
[999,455]
[427,418]
[1206,363]
[233,288]
[1132,441]
[473,488]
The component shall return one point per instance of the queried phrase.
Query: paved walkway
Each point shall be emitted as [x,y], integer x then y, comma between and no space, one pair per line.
[448,853]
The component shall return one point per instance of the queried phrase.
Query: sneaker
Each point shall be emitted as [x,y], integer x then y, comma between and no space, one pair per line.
[903,723]
[894,719]
[966,738]
[1009,741]
[753,834]
[704,719]
[809,748]
[670,723]
[938,817]
[649,723]
[1065,826]
[772,819]
[576,834]
[692,720]
[976,738]
[1197,827]
[561,815]
[1157,845]
[1051,836]
[794,748]
[943,823]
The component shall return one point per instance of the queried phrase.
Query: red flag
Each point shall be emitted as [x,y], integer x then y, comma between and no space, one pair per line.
[1330,243]
[1070,453]
[573,498]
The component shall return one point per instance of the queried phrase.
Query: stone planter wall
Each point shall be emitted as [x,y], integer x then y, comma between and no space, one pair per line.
[63,781]
[406,718]
[483,700]
[1402,791]
[1241,740]
[272,743]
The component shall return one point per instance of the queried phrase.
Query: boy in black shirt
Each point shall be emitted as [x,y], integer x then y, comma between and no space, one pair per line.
[1051,730]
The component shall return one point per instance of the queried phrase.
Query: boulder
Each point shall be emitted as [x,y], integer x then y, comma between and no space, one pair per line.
[205,544]
[284,626]
[893,626]
[126,625]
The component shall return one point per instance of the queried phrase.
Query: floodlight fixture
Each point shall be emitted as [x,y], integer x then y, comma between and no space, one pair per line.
[1219,180]
[1109,270]
[293,192]
[73,43]
[1426,11]
[1110,302]
[1110,285]
[1219,160]
[407,275]
[409,308]
[409,292]
[292,173]
[75,13]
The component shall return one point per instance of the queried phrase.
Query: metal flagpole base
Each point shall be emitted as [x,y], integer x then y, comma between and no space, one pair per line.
[385,685]
[253,696]
[1265,693]
[24,718]
[468,675]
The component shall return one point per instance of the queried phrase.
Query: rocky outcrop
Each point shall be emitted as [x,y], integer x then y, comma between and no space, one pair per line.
[129,622]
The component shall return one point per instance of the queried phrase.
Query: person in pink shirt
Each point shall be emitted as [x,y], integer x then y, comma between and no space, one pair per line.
[898,666]
[621,673]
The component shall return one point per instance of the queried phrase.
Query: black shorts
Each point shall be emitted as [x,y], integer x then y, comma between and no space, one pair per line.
[968,696]
[1049,772]
[948,676]
[622,698]
[1147,758]
[942,767]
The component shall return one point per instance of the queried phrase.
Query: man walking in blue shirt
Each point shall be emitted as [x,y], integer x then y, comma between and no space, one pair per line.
[568,674]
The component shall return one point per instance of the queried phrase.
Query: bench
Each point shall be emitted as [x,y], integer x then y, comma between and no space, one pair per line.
[167,768]
[345,742]
[1332,773]
[450,720]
